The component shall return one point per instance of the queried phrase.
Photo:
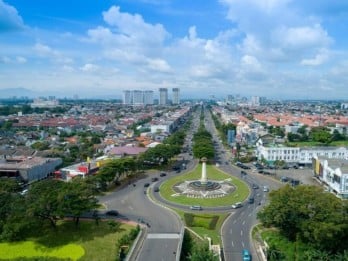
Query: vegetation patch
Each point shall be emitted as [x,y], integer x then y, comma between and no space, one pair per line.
[90,241]
[30,249]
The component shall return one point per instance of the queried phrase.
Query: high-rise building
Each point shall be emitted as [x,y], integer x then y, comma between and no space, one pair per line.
[163,96]
[176,96]
[138,97]
[148,97]
[127,97]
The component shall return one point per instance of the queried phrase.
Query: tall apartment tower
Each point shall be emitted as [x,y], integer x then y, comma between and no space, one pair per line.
[127,97]
[176,96]
[148,97]
[163,96]
[138,97]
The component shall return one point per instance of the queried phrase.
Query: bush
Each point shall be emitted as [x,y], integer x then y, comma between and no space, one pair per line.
[188,219]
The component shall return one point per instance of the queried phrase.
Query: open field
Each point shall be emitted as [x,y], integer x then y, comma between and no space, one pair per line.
[88,242]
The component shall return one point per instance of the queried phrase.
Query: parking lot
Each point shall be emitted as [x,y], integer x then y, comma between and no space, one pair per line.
[305,175]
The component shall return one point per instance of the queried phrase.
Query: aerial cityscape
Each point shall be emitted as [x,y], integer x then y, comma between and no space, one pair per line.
[173,130]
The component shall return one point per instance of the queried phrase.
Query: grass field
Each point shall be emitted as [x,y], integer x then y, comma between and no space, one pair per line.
[88,242]
[240,194]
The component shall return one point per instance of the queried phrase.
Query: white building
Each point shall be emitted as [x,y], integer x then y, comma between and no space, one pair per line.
[148,97]
[163,96]
[42,103]
[176,96]
[138,97]
[333,173]
[127,97]
[272,151]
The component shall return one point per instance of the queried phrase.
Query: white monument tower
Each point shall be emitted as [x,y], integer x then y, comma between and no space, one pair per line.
[204,178]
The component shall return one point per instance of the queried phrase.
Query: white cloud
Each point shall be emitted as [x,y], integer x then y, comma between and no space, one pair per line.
[9,18]
[21,59]
[45,50]
[321,57]
[158,65]
[302,37]
[89,67]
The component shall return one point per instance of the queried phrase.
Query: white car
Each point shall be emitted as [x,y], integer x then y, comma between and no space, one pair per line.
[265,189]
[237,205]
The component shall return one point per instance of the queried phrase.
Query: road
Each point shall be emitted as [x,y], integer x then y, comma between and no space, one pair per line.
[163,225]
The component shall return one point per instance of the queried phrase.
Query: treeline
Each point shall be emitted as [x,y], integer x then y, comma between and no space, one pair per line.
[222,128]
[26,109]
[316,134]
[202,141]
[307,215]
[46,202]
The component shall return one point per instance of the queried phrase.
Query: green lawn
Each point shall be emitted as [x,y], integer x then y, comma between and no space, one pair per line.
[201,223]
[89,242]
[240,194]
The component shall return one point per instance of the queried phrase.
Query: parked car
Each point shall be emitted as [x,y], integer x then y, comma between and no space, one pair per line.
[112,212]
[237,205]
[196,207]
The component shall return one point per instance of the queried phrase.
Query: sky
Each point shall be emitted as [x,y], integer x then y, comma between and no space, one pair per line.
[280,49]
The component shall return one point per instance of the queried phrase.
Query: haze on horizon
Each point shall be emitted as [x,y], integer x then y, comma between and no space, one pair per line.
[282,49]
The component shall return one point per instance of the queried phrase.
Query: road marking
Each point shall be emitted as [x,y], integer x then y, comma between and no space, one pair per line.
[231,231]
[232,244]
[243,222]
[130,207]
[163,236]
[235,221]
[241,232]
[243,244]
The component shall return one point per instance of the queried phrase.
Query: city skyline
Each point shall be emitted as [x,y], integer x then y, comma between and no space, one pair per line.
[279,49]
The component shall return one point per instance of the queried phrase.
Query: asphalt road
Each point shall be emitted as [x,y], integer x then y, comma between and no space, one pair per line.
[163,226]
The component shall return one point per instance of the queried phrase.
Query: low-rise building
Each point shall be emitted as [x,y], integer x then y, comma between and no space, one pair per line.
[28,169]
[333,173]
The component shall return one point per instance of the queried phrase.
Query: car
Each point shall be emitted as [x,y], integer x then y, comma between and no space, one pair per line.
[146,185]
[163,174]
[154,179]
[156,189]
[255,186]
[196,207]
[265,189]
[251,200]
[246,255]
[112,212]
[237,205]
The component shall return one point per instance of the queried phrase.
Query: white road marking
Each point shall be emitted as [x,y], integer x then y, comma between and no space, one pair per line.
[241,232]
[243,244]
[243,222]
[163,236]
[231,231]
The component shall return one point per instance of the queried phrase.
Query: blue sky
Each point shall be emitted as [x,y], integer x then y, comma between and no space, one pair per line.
[275,48]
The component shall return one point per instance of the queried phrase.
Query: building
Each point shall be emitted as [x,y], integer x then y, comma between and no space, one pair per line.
[148,97]
[255,101]
[333,173]
[163,96]
[270,151]
[138,97]
[176,96]
[43,103]
[127,97]
[28,169]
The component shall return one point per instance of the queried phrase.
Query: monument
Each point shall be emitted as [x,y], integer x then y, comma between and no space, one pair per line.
[204,188]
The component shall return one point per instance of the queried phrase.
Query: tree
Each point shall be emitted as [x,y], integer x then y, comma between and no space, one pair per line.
[310,215]
[320,134]
[201,252]
[45,200]
[79,198]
